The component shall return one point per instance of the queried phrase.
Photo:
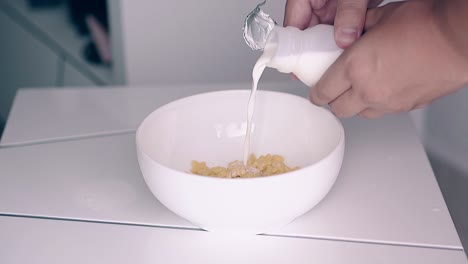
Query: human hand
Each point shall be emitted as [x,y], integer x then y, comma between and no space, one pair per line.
[404,61]
[348,16]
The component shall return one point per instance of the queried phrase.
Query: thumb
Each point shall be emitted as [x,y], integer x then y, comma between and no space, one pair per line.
[349,21]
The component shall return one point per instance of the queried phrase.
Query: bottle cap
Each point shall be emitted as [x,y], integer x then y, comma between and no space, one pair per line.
[257,27]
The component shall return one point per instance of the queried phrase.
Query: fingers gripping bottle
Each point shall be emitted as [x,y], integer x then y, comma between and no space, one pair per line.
[306,53]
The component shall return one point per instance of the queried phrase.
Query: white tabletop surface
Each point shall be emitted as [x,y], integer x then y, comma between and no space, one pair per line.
[385,193]
[41,241]
[84,168]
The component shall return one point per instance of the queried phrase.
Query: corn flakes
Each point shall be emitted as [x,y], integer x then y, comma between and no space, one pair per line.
[265,165]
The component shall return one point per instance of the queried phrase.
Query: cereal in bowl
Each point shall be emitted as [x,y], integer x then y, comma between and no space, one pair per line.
[265,165]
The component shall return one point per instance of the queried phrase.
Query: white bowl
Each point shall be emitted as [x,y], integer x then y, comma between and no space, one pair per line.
[211,127]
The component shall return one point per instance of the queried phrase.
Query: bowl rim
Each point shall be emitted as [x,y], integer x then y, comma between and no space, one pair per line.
[211,178]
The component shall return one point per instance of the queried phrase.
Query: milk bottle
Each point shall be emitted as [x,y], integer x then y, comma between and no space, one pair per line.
[307,54]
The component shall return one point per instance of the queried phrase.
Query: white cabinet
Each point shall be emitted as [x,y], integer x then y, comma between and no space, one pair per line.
[24,62]
[74,78]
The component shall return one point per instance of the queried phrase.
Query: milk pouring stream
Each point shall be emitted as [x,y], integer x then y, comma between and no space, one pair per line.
[307,54]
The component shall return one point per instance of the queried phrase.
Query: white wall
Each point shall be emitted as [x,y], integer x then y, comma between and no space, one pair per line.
[190,41]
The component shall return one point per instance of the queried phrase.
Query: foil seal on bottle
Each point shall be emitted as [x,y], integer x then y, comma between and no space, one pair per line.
[257,27]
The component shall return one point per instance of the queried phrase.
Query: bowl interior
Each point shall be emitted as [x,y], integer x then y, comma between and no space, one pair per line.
[211,127]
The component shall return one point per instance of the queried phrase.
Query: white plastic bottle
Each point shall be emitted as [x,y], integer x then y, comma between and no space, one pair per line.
[307,54]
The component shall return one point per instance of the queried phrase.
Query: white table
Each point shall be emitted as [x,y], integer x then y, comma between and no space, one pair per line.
[26,240]
[76,181]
